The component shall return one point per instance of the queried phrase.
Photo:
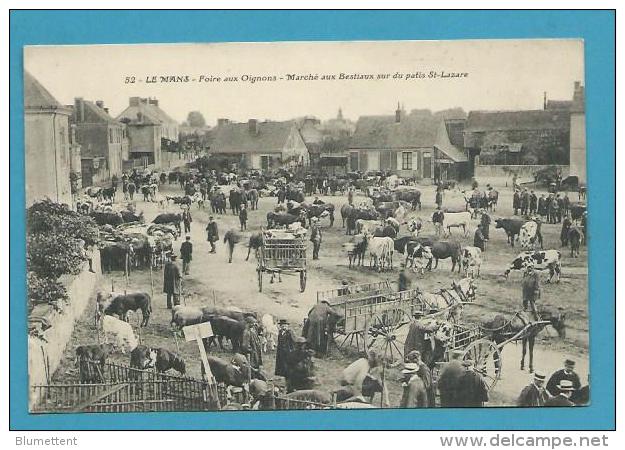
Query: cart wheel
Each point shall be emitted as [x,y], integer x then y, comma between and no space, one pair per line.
[386,335]
[260,280]
[345,341]
[487,359]
[302,281]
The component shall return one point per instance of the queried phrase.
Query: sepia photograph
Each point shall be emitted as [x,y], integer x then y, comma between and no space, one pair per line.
[306,225]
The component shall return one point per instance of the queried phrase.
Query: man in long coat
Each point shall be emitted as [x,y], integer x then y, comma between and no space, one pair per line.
[531,289]
[300,369]
[212,234]
[485,222]
[284,348]
[319,325]
[516,202]
[479,240]
[186,253]
[472,390]
[448,384]
[251,346]
[171,282]
[534,394]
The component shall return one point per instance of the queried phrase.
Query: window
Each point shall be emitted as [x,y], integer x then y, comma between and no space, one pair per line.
[406,161]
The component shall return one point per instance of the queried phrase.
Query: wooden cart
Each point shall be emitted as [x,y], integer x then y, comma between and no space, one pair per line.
[283,254]
[374,317]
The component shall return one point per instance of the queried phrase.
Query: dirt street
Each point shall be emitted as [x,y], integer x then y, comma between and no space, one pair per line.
[213,280]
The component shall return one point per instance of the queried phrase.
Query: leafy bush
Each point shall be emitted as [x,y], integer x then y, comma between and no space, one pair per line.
[56,219]
[52,255]
[47,291]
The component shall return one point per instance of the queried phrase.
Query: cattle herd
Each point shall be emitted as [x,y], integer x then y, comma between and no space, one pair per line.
[384,229]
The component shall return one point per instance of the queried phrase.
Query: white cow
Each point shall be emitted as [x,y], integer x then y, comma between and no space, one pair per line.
[394,223]
[471,261]
[270,333]
[366,226]
[457,220]
[381,252]
[414,226]
[120,334]
[530,236]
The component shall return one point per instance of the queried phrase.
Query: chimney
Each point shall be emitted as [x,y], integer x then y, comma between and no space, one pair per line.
[153,101]
[252,126]
[134,101]
[100,104]
[106,110]
[545,100]
[398,114]
[79,109]
[139,117]
[222,121]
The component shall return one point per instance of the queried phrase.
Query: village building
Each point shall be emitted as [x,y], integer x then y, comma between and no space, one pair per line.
[103,140]
[500,143]
[150,131]
[47,142]
[415,145]
[260,145]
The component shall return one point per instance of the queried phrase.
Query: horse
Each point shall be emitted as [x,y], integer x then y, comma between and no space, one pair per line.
[449,301]
[232,237]
[502,330]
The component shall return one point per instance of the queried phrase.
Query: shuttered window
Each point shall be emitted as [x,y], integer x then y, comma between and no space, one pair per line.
[406,161]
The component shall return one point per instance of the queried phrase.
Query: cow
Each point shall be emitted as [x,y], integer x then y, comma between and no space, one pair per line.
[420,256]
[457,220]
[530,235]
[415,225]
[120,304]
[575,239]
[394,223]
[169,218]
[355,249]
[143,357]
[385,231]
[115,256]
[109,193]
[91,360]
[269,339]
[120,333]
[366,226]
[181,316]
[281,219]
[130,216]
[471,261]
[227,327]
[107,218]
[444,250]
[166,360]
[255,242]
[412,196]
[321,210]
[512,227]
[540,260]
[227,373]
[381,252]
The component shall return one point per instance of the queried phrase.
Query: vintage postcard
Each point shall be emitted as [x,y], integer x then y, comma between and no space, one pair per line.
[306,225]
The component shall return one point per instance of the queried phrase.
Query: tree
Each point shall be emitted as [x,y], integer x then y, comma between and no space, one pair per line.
[195,119]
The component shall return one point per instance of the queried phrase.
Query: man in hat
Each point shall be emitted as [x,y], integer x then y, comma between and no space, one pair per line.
[531,288]
[525,202]
[479,240]
[568,373]
[318,201]
[516,201]
[533,202]
[439,196]
[563,398]
[187,219]
[471,389]
[243,217]
[485,222]
[414,393]
[286,344]
[212,234]
[448,382]
[424,372]
[534,394]
[437,219]
[315,236]
[186,254]
[300,369]
[404,282]
[171,282]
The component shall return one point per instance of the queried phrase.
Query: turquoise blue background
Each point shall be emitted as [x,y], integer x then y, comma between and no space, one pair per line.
[597,28]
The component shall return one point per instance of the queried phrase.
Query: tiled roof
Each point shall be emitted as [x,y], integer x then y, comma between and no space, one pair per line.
[237,137]
[516,120]
[414,130]
[152,114]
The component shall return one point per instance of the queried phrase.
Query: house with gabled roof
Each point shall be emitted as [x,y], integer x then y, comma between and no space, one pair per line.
[104,141]
[415,145]
[47,141]
[260,145]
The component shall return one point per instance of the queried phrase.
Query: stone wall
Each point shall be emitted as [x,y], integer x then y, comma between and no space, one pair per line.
[502,175]
[45,357]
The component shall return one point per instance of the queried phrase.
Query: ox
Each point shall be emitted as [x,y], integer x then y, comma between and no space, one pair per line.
[444,250]
[120,333]
[120,304]
[512,227]
[471,261]
[530,235]
[457,220]
[381,252]
[540,260]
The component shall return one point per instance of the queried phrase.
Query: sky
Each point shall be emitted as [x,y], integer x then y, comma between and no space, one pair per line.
[501,75]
